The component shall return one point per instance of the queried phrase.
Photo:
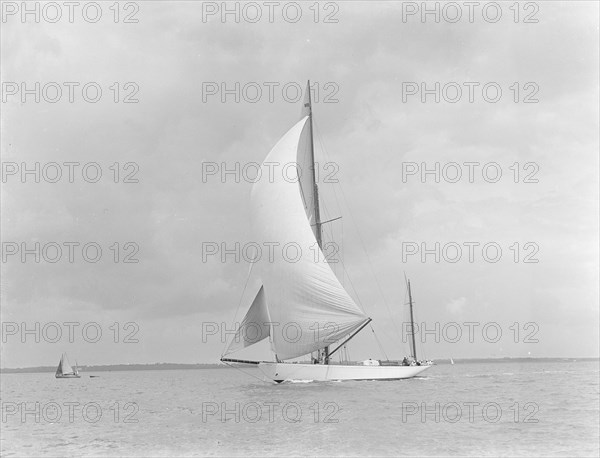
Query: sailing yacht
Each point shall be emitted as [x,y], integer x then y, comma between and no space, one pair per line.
[301,307]
[64,369]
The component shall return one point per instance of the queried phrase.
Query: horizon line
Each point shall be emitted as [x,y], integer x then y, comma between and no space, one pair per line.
[218,363]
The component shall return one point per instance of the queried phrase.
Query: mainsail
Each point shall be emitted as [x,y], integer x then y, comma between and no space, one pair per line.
[306,306]
[307,176]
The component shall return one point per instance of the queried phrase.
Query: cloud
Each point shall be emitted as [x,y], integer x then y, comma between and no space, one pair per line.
[369,133]
[457,306]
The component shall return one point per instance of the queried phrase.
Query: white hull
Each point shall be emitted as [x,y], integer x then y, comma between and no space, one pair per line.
[280,372]
[67,376]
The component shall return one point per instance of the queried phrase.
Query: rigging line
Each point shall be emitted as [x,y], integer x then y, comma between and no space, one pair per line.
[302,195]
[330,236]
[242,296]
[361,305]
[352,285]
[334,193]
[359,236]
[341,250]
[379,343]
[358,299]
[363,246]
[300,181]
[329,227]
[339,206]
[247,373]
[406,312]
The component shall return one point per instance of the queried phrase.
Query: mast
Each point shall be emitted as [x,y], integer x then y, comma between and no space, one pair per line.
[412,322]
[317,212]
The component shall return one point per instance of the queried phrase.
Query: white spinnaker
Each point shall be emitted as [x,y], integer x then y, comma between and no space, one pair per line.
[255,326]
[307,304]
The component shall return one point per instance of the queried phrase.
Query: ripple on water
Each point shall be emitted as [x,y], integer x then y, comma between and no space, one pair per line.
[338,419]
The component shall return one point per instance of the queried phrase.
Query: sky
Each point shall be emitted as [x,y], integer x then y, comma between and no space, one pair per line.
[378,129]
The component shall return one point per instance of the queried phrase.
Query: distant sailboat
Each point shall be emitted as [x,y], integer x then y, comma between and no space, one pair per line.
[451,361]
[301,306]
[64,369]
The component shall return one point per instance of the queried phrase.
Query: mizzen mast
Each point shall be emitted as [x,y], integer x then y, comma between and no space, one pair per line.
[412,323]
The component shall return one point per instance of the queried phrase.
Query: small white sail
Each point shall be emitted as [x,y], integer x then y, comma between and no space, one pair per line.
[307,304]
[255,326]
[66,367]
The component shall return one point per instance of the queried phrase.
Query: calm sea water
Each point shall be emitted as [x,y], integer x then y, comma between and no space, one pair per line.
[482,409]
